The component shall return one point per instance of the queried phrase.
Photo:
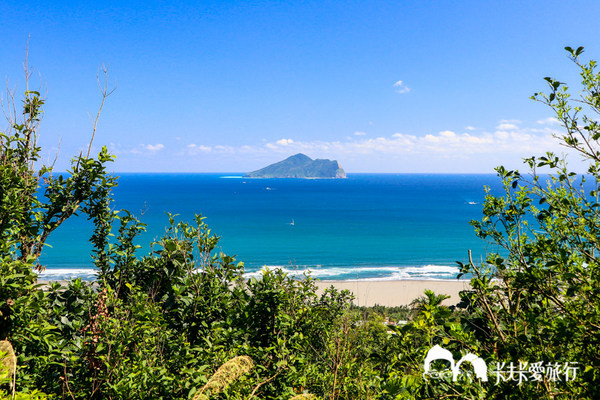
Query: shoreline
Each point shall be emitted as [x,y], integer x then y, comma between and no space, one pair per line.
[389,293]
[396,293]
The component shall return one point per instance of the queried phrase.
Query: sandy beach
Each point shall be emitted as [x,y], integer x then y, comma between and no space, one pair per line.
[385,293]
[396,293]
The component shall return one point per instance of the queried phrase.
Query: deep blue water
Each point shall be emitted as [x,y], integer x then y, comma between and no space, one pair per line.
[369,226]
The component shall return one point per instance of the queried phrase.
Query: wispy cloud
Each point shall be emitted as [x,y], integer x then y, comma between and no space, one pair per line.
[359,133]
[548,121]
[226,149]
[445,151]
[507,138]
[193,149]
[141,149]
[508,125]
[401,87]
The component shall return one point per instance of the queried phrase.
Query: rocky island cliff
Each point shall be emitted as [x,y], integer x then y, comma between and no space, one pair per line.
[300,166]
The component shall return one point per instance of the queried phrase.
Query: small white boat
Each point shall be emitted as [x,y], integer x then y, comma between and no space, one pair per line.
[292,223]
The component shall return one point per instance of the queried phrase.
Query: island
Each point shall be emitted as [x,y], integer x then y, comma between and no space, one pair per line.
[301,166]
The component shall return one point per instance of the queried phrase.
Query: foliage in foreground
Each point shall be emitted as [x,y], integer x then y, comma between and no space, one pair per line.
[181,323]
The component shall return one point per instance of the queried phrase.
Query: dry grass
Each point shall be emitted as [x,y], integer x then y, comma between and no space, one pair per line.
[227,373]
[9,364]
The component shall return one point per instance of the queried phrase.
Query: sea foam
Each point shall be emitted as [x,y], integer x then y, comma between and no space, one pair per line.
[349,273]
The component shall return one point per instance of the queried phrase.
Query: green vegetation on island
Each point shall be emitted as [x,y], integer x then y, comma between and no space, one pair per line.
[300,166]
[181,322]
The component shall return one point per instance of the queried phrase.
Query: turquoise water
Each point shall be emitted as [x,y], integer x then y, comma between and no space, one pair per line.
[369,226]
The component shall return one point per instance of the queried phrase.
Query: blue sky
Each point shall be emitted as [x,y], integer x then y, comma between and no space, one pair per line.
[225,86]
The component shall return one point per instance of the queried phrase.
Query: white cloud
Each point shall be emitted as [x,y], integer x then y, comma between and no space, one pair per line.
[194,149]
[470,128]
[141,149]
[401,87]
[284,142]
[446,142]
[153,147]
[506,126]
[548,121]
[359,133]
[445,151]
[224,149]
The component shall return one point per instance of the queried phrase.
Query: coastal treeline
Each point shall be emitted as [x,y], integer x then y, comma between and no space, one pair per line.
[181,323]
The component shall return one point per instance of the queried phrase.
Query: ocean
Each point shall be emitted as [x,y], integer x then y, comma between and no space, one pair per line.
[365,227]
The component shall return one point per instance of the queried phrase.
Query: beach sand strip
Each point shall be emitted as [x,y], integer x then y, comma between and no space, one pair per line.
[396,293]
